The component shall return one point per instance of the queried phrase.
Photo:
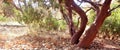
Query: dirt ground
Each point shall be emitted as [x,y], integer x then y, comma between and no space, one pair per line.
[18,37]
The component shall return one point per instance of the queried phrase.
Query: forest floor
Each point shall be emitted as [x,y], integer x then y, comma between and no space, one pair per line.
[19,37]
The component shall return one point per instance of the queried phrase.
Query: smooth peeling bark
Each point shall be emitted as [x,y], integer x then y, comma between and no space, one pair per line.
[84,20]
[93,30]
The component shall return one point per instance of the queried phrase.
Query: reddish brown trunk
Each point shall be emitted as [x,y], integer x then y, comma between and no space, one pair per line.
[82,14]
[93,30]
[90,34]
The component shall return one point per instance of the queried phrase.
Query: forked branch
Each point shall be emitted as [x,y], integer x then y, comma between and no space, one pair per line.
[95,5]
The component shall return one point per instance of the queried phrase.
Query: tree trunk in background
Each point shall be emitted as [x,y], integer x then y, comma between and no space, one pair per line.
[67,15]
[93,30]
[70,19]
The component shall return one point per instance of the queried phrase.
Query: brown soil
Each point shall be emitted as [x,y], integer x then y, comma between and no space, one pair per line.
[18,38]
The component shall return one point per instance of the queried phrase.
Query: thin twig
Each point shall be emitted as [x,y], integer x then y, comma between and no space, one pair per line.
[114,8]
[88,10]
[78,23]
[95,5]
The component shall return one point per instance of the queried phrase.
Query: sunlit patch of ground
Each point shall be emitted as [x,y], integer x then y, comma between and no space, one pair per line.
[18,38]
[12,29]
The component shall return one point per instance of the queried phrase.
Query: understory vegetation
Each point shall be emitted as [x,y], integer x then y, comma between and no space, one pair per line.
[44,18]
